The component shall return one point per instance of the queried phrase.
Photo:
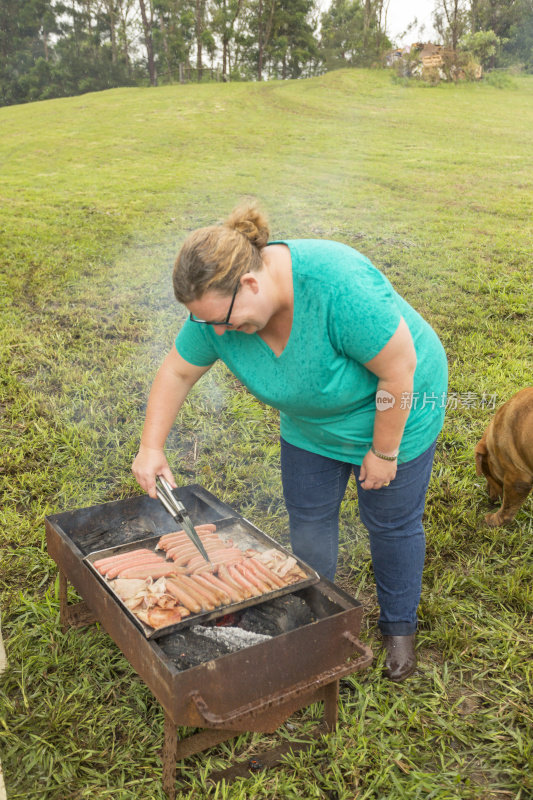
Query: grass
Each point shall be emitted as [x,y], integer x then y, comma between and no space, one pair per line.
[98,191]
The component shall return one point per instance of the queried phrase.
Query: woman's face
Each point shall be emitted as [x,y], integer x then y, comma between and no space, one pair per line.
[250,311]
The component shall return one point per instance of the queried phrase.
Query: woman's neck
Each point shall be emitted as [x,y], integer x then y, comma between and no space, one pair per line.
[277,260]
[276,333]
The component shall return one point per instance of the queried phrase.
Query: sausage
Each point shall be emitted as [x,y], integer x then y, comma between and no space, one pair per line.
[268,572]
[227,554]
[250,576]
[207,601]
[114,569]
[182,596]
[174,544]
[241,580]
[181,551]
[230,580]
[129,557]
[201,530]
[180,557]
[184,553]
[222,595]
[235,595]
[252,565]
[150,570]
[119,556]
[205,591]
[214,555]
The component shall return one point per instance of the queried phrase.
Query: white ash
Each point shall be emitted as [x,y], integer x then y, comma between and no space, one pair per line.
[234,638]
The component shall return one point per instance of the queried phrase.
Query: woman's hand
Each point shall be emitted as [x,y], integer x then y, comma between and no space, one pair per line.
[174,379]
[147,465]
[376,472]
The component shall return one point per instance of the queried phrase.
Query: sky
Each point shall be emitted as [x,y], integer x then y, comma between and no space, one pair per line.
[402,12]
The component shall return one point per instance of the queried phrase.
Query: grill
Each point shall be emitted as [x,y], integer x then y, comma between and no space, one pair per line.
[253,689]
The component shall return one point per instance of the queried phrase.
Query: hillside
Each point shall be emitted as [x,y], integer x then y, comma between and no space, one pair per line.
[97,192]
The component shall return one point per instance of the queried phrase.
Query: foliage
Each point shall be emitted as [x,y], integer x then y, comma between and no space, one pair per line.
[483,45]
[500,80]
[173,36]
[518,48]
[58,48]
[98,193]
[23,35]
[352,34]
[450,18]
[293,50]
[497,33]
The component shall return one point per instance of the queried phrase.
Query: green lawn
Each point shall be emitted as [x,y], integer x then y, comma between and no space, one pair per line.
[97,192]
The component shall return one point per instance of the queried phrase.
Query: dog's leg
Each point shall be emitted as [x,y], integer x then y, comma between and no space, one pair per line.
[495,489]
[515,491]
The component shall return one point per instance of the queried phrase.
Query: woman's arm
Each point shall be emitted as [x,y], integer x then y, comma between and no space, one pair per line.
[394,366]
[173,381]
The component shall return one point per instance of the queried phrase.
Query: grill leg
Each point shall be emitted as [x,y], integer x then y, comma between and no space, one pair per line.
[72,616]
[63,611]
[175,749]
[170,756]
[331,705]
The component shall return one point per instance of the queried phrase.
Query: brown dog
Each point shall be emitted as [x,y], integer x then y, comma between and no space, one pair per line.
[504,455]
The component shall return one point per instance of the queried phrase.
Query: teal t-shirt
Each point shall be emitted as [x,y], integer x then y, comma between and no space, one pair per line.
[345,312]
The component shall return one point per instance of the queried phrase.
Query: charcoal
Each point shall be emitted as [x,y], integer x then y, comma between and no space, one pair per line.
[234,638]
[281,615]
[187,649]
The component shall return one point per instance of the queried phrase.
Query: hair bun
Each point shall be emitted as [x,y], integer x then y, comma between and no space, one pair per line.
[248,219]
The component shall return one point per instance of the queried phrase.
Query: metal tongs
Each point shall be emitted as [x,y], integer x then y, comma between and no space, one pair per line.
[178,512]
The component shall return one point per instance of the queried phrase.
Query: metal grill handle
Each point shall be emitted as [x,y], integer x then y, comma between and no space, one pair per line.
[278,699]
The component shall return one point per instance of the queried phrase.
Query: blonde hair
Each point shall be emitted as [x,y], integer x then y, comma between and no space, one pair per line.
[215,257]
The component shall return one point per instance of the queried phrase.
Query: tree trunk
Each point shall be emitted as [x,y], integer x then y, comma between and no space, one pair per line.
[200,10]
[89,17]
[164,35]
[112,29]
[263,37]
[224,58]
[366,28]
[147,28]
[451,10]
[260,41]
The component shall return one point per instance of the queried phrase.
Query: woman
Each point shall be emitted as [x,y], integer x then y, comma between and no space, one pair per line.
[313,329]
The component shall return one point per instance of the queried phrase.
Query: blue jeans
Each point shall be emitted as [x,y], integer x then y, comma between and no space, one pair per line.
[313,487]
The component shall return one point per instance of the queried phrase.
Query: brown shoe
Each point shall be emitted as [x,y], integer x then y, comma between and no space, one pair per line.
[401,657]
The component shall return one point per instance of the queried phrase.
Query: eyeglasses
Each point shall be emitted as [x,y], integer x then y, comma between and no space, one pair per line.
[224,322]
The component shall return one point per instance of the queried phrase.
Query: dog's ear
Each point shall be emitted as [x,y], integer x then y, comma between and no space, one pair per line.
[480,450]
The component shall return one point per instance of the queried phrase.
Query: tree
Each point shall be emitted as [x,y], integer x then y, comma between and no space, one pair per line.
[265,16]
[174,35]
[451,21]
[519,44]
[223,23]
[511,21]
[484,46]
[24,31]
[147,16]
[293,48]
[342,39]
[353,33]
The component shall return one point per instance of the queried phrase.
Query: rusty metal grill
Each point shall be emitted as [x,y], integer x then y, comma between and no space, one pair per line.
[255,689]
